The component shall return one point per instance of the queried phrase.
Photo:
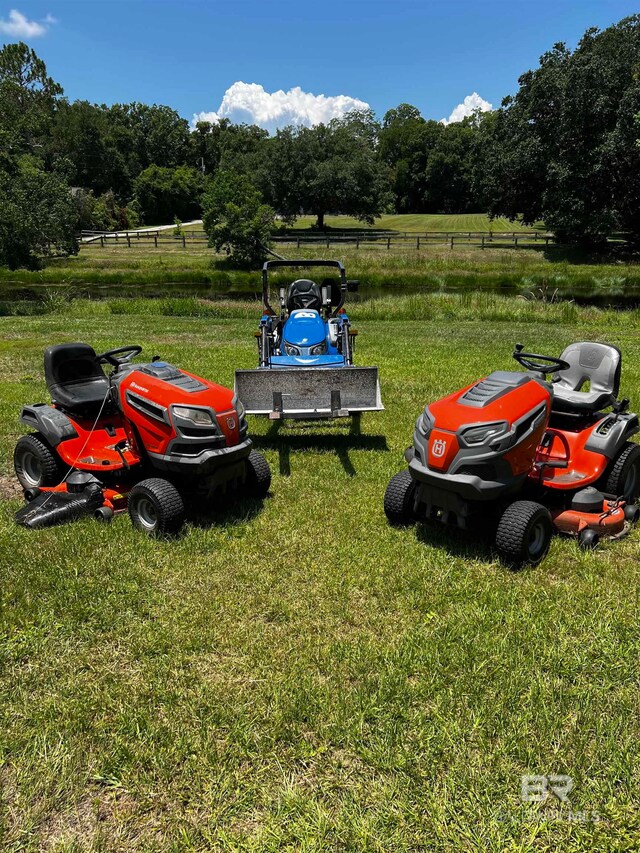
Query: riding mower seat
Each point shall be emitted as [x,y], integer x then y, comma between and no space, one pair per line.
[304,293]
[75,379]
[597,364]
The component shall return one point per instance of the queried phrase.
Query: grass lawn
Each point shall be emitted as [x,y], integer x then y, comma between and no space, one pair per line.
[298,675]
[421,222]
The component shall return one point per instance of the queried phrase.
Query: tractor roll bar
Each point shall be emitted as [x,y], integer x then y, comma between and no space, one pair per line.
[269,265]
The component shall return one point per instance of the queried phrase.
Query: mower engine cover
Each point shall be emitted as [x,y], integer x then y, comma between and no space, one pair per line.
[181,419]
[480,440]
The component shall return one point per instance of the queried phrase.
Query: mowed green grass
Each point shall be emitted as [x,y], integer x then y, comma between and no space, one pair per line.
[421,222]
[298,675]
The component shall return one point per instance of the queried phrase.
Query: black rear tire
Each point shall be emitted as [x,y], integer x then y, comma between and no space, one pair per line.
[622,477]
[524,534]
[156,508]
[398,499]
[35,463]
[258,480]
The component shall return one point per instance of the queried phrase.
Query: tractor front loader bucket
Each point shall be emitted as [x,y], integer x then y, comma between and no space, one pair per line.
[309,393]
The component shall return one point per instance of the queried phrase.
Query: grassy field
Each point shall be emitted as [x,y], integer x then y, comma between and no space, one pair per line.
[196,269]
[297,675]
[421,222]
[413,222]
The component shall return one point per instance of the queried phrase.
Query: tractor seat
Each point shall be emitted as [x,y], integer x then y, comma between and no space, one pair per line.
[597,364]
[74,378]
[304,293]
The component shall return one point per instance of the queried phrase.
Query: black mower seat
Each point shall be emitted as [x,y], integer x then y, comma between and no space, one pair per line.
[74,378]
[597,364]
[304,293]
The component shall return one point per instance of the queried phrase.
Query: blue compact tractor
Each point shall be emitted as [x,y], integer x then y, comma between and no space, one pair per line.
[305,353]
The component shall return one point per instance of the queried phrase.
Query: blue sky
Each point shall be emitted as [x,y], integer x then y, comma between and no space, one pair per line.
[187,53]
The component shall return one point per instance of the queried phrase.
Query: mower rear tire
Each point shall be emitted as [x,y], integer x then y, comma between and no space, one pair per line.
[399,498]
[524,534]
[622,478]
[35,463]
[588,539]
[156,508]
[258,480]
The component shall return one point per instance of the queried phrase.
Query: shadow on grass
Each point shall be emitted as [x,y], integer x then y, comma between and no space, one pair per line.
[280,439]
[474,544]
[222,511]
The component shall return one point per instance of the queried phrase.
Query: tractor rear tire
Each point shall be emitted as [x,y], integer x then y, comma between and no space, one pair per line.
[524,534]
[258,480]
[35,463]
[399,498]
[156,508]
[622,478]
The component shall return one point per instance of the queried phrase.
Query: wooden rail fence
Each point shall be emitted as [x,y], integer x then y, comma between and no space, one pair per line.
[387,239]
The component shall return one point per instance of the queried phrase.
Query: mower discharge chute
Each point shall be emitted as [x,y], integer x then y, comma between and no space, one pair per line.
[147,437]
[525,456]
[305,353]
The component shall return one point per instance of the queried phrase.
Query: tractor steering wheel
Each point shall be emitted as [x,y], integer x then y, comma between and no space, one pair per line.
[539,363]
[110,355]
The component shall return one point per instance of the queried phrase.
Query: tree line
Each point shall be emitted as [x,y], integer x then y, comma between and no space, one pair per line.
[564,150]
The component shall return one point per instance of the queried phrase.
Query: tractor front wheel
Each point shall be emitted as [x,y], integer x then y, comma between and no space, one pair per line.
[258,480]
[524,534]
[35,463]
[156,508]
[399,498]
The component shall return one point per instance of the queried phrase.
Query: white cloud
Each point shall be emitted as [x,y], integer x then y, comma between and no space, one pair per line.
[470,104]
[19,26]
[249,103]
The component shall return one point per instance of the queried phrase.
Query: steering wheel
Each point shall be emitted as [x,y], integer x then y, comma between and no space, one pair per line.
[539,363]
[110,355]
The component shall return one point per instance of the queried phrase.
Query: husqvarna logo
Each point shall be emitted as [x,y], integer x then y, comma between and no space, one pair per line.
[439,447]
[231,423]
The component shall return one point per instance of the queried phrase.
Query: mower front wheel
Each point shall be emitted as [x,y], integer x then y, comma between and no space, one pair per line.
[398,499]
[524,534]
[35,463]
[156,508]
[258,480]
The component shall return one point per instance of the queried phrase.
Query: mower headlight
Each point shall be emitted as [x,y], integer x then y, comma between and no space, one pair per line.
[481,434]
[237,405]
[291,350]
[198,416]
[318,349]
[425,422]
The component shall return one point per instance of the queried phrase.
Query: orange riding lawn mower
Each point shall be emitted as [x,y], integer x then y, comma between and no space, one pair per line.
[146,437]
[525,454]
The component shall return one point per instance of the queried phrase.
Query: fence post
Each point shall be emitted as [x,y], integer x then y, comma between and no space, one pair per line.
[388,242]
[128,240]
[452,242]
[102,240]
[298,243]
[515,241]
[482,241]
[184,242]
[328,242]
[417,242]
[155,240]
